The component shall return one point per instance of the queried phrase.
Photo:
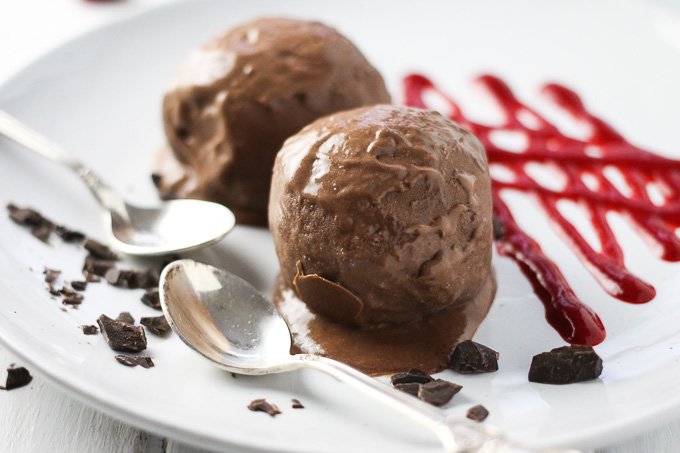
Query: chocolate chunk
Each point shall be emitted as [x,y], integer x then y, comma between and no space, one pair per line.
[152,298]
[90,330]
[498,230]
[144,362]
[472,358]
[68,235]
[121,336]
[409,387]
[51,275]
[478,413]
[565,365]
[438,392]
[126,317]
[97,266]
[79,285]
[411,376]
[74,301]
[25,216]
[297,404]
[99,250]
[156,324]
[54,291]
[17,377]
[261,405]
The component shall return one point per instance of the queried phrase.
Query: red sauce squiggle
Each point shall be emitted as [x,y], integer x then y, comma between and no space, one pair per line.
[577,160]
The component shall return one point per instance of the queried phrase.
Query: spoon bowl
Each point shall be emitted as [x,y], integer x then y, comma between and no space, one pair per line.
[176,226]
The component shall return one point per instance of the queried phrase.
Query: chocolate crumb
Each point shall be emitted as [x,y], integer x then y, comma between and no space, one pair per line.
[143,361]
[156,324]
[16,378]
[156,179]
[411,388]
[438,392]
[25,216]
[498,230]
[297,404]
[152,298]
[73,301]
[478,413]
[411,376]
[91,278]
[99,250]
[566,365]
[43,232]
[261,405]
[79,285]
[68,235]
[52,290]
[90,330]
[126,317]
[51,275]
[472,358]
[121,336]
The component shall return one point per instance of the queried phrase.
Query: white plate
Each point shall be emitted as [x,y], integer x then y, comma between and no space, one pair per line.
[99,97]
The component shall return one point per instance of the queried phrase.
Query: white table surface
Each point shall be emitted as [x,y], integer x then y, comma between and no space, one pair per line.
[39,417]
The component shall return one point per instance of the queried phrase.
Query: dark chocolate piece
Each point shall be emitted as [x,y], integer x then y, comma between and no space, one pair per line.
[99,250]
[25,216]
[17,377]
[126,317]
[156,324]
[90,330]
[52,290]
[121,336]
[143,361]
[152,298]
[261,405]
[438,392]
[297,404]
[156,179]
[51,275]
[478,413]
[411,376]
[566,365]
[79,285]
[43,232]
[409,387]
[68,235]
[498,230]
[97,266]
[472,358]
[73,301]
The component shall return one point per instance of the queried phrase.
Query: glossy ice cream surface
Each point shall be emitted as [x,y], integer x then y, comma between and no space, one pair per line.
[242,94]
[381,217]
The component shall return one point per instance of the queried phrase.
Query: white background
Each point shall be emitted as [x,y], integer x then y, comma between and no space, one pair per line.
[39,417]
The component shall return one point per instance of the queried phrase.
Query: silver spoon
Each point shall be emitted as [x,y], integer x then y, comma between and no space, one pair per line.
[225,319]
[175,226]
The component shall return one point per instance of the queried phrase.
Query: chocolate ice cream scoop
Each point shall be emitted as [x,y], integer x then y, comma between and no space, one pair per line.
[382,215]
[242,94]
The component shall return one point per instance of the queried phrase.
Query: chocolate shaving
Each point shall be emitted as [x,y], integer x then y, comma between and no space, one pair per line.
[411,376]
[99,250]
[156,324]
[472,358]
[261,405]
[16,378]
[297,404]
[438,392]
[25,216]
[121,336]
[411,388]
[51,275]
[95,266]
[478,413]
[79,285]
[90,330]
[126,317]
[143,361]
[566,365]
[68,235]
[152,298]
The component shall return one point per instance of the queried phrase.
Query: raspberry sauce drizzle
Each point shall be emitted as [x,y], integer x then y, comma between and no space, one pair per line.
[576,160]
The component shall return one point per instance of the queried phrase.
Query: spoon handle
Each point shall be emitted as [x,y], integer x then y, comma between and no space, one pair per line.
[455,436]
[13,129]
